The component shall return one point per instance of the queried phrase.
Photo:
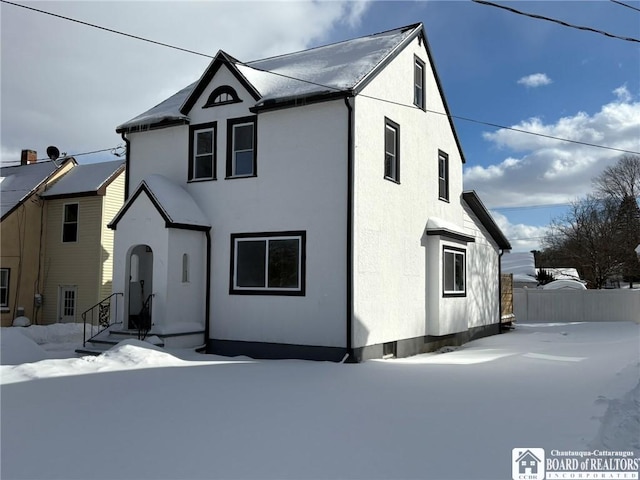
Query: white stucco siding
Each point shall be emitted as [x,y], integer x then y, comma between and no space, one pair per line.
[163,151]
[301,185]
[482,274]
[142,225]
[392,286]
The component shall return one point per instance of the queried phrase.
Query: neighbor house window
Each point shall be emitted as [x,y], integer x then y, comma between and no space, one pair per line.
[443,175]
[70,223]
[4,287]
[268,263]
[454,271]
[241,147]
[391,151]
[223,95]
[202,152]
[418,83]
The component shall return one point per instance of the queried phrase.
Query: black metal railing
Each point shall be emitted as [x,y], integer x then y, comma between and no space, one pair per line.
[144,319]
[99,317]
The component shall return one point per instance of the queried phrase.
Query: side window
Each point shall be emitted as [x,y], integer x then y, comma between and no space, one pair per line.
[185,268]
[241,147]
[4,287]
[202,152]
[418,83]
[391,151]
[443,176]
[222,95]
[268,263]
[454,272]
[70,223]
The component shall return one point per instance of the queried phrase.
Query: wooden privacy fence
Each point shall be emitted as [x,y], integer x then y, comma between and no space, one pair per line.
[506,297]
[536,305]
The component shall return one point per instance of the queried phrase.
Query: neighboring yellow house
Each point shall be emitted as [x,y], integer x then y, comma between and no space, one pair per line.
[78,261]
[21,233]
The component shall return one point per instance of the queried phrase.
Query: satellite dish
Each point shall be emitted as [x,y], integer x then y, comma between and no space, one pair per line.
[53,153]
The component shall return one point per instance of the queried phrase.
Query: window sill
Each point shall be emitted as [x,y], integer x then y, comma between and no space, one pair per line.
[454,294]
[240,176]
[392,180]
[197,180]
[283,293]
[5,310]
[443,199]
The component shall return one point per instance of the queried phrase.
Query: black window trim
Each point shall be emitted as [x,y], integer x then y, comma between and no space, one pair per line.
[455,250]
[5,306]
[64,222]
[419,62]
[192,133]
[219,91]
[299,292]
[231,123]
[390,123]
[445,179]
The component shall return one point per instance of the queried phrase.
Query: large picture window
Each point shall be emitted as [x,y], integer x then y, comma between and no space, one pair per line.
[454,272]
[268,263]
[241,147]
[4,287]
[202,152]
[391,151]
[70,223]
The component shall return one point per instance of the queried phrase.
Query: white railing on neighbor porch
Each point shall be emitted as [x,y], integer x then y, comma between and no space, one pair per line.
[564,305]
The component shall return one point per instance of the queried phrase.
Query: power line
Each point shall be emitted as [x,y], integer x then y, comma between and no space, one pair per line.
[559,22]
[495,125]
[625,5]
[114,150]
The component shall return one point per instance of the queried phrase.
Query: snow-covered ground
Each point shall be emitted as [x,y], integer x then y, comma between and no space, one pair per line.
[139,412]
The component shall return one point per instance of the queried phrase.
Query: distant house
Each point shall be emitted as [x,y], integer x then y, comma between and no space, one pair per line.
[22,228]
[523,267]
[78,259]
[308,205]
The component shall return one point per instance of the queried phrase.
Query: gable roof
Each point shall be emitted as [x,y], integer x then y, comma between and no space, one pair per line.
[19,182]
[84,180]
[173,203]
[477,207]
[340,68]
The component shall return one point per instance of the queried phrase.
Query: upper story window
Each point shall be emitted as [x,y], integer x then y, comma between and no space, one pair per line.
[223,95]
[185,268]
[443,176]
[70,223]
[241,147]
[391,151]
[268,263]
[418,83]
[4,287]
[202,152]
[454,268]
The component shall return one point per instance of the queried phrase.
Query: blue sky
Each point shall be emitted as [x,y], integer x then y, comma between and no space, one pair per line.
[70,85]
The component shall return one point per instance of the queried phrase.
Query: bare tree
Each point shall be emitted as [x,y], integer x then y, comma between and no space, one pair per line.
[586,237]
[620,180]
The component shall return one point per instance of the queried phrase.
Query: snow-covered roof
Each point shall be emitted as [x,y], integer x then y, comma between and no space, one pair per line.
[173,202]
[439,226]
[20,181]
[564,284]
[85,179]
[339,67]
[519,263]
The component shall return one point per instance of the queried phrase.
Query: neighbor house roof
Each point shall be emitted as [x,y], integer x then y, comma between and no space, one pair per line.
[84,180]
[477,207]
[18,182]
[173,203]
[522,265]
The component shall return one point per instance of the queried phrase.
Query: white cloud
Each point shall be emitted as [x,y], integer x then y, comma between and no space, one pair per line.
[535,80]
[549,171]
[523,238]
[70,85]
[623,93]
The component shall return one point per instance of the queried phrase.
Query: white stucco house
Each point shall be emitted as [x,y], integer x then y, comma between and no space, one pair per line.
[308,205]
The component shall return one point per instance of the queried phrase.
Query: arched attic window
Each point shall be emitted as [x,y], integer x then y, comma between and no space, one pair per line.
[223,95]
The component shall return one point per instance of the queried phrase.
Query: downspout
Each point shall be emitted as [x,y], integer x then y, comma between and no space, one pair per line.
[349,324]
[500,290]
[207,307]
[126,163]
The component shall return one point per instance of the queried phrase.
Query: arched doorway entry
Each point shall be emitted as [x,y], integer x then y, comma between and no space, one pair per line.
[140,287]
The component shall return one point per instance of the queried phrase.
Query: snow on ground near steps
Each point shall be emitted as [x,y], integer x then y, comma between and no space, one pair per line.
[453,415]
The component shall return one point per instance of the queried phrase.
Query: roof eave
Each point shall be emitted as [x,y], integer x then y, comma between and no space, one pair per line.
[300,100]
[473,200]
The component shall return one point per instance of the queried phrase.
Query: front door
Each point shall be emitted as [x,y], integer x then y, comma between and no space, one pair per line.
[140,287]
[67,298]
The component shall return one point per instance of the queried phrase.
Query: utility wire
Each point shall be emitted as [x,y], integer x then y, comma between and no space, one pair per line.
[559,22]
[112,149]
[625,5]
[495,125]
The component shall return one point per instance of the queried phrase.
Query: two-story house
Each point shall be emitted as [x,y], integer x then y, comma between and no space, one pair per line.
[308,205]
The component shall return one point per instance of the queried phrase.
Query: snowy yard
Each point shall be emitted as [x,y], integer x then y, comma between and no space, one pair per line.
[138,412]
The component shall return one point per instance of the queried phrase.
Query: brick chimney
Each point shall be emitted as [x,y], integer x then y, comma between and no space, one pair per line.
[28,157]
